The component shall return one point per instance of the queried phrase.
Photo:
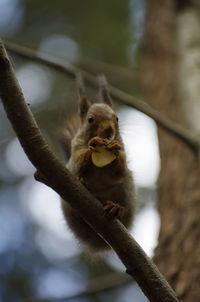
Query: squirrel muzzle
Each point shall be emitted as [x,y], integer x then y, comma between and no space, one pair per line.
[106,130]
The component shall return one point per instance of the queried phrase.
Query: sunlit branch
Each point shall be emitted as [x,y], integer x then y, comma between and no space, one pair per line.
[120,96]
[137,264]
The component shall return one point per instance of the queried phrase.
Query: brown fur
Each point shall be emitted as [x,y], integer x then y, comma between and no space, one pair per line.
[112,185]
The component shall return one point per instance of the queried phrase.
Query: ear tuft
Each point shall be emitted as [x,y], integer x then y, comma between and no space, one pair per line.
[80,86]
[84,104]
[83,107]
[104,92]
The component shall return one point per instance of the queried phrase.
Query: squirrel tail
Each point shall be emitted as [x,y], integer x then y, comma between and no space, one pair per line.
[72,125]
[68,132]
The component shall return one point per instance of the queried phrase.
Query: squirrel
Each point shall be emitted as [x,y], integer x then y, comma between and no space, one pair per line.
[96,128]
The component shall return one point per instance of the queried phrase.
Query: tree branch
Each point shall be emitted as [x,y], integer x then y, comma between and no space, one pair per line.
[120,96]
[95,286]
[138,265]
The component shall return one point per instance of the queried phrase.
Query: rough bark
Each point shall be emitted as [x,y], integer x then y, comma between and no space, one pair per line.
[188,49]
[177,254]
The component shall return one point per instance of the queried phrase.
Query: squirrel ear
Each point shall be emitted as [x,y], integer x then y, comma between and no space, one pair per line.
[104,92]
[84,104]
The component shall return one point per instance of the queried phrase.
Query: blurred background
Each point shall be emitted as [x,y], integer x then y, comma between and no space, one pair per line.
[39,257]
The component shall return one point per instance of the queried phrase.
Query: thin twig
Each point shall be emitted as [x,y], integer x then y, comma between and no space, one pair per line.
[120,96]
[97,285]
[138,265]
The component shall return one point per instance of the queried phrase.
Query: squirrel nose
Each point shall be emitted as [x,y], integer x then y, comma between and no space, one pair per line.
[107,132]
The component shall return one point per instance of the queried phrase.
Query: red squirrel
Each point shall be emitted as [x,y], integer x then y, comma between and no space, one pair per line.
[96,126]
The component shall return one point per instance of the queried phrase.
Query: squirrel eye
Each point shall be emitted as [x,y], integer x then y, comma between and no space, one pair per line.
[117,119]
[90,120]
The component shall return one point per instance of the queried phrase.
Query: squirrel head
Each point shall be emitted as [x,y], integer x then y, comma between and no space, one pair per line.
[98,119]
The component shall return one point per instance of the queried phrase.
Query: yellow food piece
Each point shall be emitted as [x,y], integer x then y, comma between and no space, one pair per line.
[103,157]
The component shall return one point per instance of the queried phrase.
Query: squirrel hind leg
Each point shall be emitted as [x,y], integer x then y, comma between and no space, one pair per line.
[114,210]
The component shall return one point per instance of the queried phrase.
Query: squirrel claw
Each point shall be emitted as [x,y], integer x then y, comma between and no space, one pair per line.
[114,147]
[114,209]
[97,141]
[92,149]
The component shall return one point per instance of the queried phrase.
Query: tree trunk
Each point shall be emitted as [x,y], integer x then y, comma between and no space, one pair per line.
[178,251]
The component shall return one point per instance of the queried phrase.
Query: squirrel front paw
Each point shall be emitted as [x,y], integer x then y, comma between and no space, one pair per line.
[114,147]
[114,209]
[96,142]
[111,146]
